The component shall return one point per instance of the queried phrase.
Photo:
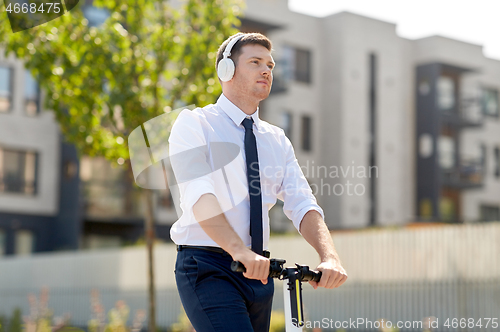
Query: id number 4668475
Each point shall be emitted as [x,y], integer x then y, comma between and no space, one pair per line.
[32,8]
[471,322]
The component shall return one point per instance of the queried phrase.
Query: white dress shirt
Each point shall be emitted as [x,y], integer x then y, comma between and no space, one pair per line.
[207,130]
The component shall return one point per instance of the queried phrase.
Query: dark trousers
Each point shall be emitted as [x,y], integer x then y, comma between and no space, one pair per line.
[217,299]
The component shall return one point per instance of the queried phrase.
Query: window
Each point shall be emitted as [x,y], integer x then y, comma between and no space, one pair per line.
[372,152]
[490,213]
[490,105]
[446,146]
[446,93]
[497,162]
[2,242]
[18,171]
[447,209]
[107,191]
[484,156]
[31,94]
[297,63]
[287,124]
[306,133]
[25,242]
[303,66]
[5,89]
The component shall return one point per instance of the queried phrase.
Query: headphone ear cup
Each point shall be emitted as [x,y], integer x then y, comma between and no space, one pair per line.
[225,69]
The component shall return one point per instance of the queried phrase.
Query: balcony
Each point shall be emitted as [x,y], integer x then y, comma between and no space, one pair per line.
[111,201]
[467,114]
[469,173]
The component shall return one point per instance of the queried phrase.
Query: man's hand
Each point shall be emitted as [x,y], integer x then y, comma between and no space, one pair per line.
[333,275]
[314,230]
[257,266]
[208,213]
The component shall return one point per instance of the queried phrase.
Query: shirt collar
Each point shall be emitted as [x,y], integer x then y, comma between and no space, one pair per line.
[235,113]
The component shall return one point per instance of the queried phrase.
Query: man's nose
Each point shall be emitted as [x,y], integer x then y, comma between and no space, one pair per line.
[267,71]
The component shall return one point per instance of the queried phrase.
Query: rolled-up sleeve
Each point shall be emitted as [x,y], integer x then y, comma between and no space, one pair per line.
[188,153]
[295,191]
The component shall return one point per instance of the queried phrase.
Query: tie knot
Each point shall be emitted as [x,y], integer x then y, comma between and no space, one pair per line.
[247,123]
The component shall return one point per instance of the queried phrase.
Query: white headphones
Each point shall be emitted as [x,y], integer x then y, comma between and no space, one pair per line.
[225,68]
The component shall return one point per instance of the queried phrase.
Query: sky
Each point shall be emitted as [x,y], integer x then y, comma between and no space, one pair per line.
[476,22]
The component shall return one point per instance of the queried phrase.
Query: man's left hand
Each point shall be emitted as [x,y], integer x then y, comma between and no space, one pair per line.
[333,275]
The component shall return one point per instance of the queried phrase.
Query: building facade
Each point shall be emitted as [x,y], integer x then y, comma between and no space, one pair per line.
[38,171]
[387,130]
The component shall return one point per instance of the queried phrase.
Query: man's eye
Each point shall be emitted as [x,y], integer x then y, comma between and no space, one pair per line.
[255,61]
[270,67]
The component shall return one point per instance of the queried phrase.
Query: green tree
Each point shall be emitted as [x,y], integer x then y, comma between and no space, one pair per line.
[3,323]
[146,59]
[16,322]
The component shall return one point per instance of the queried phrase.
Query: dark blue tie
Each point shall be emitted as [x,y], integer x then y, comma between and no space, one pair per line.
[253,187]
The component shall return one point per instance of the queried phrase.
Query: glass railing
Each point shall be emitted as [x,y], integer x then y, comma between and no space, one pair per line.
[111,200]
[469,172]
[469,113]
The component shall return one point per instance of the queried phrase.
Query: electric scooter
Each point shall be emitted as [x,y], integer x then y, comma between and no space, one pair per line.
[294,310]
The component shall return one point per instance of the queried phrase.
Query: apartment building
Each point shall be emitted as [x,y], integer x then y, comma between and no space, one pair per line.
[38,178]
[387,130]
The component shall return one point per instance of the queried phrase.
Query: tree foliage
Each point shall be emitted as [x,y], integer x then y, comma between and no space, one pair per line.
[146,59]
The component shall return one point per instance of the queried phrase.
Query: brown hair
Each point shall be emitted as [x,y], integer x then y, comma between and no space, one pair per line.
[248,38]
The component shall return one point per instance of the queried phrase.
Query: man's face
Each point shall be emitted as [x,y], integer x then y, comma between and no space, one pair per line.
[253,74]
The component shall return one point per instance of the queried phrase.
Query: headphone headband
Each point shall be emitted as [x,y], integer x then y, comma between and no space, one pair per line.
[227,51]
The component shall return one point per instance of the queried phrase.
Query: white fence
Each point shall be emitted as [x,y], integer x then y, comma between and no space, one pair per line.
[405,275]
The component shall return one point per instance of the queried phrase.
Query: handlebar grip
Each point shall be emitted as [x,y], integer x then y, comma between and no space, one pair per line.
[237,266]
[316,275]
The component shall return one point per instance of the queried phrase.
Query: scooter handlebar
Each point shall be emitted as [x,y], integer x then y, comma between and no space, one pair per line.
[276,269]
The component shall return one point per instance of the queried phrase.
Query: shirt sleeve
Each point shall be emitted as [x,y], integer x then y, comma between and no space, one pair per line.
[295,191]
[188,152]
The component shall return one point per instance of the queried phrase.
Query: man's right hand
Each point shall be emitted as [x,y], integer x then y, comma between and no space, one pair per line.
[257,266]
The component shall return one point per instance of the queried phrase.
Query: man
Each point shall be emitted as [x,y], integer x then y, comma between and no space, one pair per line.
[225,208]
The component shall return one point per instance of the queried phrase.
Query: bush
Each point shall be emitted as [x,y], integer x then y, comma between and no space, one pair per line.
[40,318]
[184,325]
[16,322]
[117,317]
[3,323]
[277,321]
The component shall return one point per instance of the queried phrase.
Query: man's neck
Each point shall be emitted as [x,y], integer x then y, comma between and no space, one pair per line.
[245,104]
